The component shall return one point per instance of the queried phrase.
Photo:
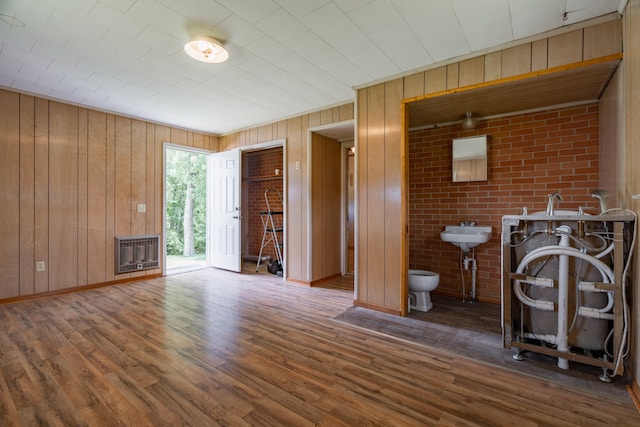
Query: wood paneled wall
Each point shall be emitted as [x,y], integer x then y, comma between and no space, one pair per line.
[325,207]
[71,181]
[297,180]
[631,89]
[381,216]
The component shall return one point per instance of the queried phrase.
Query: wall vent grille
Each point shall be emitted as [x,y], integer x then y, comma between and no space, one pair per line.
[135,253]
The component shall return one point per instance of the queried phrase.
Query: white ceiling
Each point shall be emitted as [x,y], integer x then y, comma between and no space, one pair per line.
[286,56]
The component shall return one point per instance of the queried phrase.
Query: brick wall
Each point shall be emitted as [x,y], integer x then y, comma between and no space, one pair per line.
[261,166]
[530,156]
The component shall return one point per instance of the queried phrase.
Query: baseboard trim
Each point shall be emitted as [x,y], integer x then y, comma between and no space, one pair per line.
[376,307]
[23,298]
[299,282]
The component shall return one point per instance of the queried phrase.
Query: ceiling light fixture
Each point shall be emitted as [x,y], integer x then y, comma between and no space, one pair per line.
[206,49]
[468,122]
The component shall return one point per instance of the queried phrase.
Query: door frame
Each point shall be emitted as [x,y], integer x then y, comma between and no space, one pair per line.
[170,146]
[281,142]
[331,130]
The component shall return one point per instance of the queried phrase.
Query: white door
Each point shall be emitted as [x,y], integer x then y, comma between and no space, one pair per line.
[225,210]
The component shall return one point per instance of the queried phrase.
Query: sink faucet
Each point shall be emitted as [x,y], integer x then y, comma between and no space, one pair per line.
[601,195]
[552,198]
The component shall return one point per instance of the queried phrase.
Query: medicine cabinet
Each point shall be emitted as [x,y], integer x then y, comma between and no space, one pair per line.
[470,159]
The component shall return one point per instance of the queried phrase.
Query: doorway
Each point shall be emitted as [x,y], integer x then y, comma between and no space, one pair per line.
[332,201]
[185,209]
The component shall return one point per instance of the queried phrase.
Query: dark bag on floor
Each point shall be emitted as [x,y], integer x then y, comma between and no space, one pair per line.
[274,266]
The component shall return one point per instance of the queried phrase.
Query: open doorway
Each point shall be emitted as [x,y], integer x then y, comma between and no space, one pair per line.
[185,209]
[332,201]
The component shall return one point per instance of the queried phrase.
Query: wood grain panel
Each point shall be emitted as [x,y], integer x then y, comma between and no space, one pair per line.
[375,188]
[602,40]
[10,194]
[304,198]
[393,225]
[314,119]
[471,71]
[265,133]
[41,181]
[493,66]
[138,176]
[27,194]
[325,207]
[199,141]
[282,131]
[293,245]
[453,76]
[162,135]
[435,80]
[539,55]
[179,136]
[362,175]
[83,197]
[414,85]
[516,60]
[63,196]
[631,149]
[346,112]
[97,188]
[110,201]
[565,49]
[122,200]
[151,194]
[326,116]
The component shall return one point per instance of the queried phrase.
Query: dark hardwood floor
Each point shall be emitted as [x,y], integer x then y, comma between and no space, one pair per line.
[217,348]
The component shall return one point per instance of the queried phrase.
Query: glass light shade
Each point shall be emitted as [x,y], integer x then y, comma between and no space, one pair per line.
[206,49]
[468,122]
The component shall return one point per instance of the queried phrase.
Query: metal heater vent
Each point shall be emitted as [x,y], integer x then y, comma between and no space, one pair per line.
[135,253]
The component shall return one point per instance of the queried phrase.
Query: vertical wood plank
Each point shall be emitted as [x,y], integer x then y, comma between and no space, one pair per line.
[453,76]
[362,224]
[97,188]
[199,140]
[138,176]
[326,116]
[493,66]
[325,207]
[393,191]
[110,183]
[138,181]
[565,49]
[83,197]
[265,133]
[150,193]
[601,40]
[346,112]
[10,194]
[539,55]
[162,135]
[63,196]
[516,60]
[123,169]
[314,119]
[303,141]
[435,80]
[375,189]
[471,71]
[27,194]
[179,136]
[293,244]
[414,85]
[41,178]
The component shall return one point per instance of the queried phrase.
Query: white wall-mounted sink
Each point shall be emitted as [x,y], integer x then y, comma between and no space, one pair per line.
[465,237]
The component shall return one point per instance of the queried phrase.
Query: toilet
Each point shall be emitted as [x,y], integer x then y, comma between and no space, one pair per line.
[421,283]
